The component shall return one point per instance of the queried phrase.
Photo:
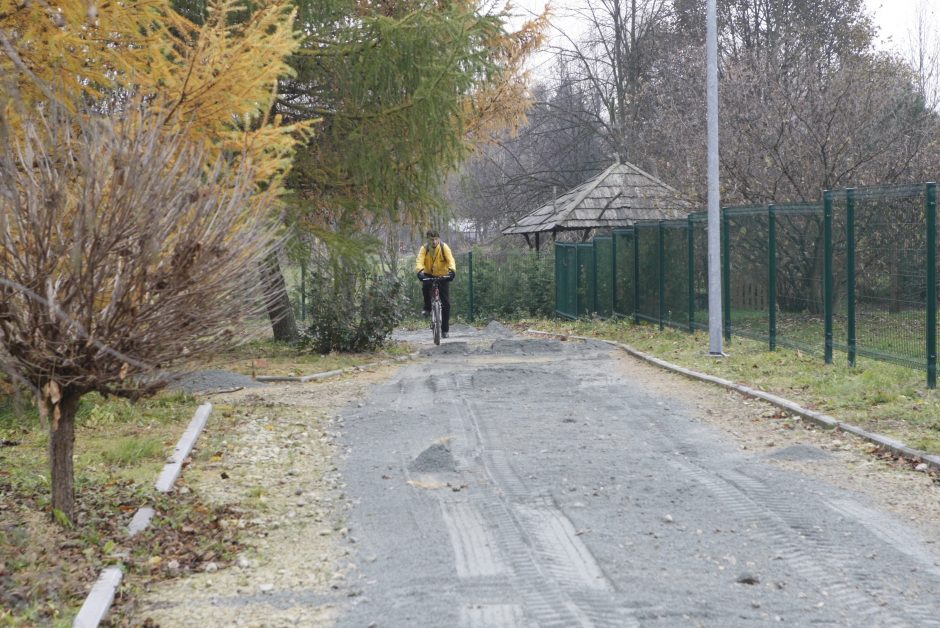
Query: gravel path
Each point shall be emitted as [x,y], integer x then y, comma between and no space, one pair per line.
[509,481]
[539,482]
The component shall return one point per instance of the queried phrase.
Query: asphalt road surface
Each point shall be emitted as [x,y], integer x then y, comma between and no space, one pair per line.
[505,481]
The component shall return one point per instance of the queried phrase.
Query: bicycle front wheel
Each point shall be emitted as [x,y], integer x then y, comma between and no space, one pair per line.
[436,320]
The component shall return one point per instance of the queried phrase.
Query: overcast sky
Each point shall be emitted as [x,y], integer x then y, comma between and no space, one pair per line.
[896,17]
[893,17]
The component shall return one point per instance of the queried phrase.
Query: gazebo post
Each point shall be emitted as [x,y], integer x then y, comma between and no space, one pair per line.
[537,243]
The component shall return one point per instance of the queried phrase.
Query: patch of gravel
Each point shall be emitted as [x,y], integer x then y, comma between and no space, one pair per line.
[830,456]
[524,346]
[436,458]
[211,381]
[799,452]
[270,451]
[495,328]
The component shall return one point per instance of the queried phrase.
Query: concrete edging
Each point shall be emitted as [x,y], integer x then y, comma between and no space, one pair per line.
[818,418]
[318,376]
[174,466]
[99,600]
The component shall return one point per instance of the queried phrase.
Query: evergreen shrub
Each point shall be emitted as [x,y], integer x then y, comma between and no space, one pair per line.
[355,313]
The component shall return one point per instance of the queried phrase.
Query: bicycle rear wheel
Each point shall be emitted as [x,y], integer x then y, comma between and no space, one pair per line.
[436,319]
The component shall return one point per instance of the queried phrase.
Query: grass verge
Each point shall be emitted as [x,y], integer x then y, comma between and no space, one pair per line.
[267,357]
[47,570]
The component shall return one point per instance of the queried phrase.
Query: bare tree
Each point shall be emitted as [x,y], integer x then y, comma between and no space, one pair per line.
[923,53]
[557,149]
[615,61]
[122,253]
[806,101]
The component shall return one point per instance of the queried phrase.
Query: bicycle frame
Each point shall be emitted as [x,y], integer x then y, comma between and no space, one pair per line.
[437,315]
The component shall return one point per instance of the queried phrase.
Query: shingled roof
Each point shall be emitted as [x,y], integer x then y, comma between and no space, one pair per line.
[617,197]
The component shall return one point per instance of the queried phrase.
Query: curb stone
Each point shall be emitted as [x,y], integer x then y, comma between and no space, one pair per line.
[349,369]
[99,600]
[818,418]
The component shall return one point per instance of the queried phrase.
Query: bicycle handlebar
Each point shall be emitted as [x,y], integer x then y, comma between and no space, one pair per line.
[437,278]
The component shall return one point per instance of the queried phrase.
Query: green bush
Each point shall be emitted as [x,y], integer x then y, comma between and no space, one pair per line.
[353,315]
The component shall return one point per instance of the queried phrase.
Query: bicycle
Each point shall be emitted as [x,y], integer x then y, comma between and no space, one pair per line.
[437,314]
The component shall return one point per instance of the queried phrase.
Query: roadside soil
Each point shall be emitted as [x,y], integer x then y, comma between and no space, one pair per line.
[268,453]
[271,453]
[792,443]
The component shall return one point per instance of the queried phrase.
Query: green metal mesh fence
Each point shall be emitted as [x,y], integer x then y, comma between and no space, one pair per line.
[623,254]
[603,276]
[857,274]
[881,303]
[699,260]
[647,242]
[566,279]
[674,279]
[799,259]
[748,298]
[586,279]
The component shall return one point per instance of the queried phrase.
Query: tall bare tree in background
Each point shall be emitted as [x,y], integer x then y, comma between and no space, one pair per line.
[616,61]
[807,102]
[923,53]
[560,146]
[122,252]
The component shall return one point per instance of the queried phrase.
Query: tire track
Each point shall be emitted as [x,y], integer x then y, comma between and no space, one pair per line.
[814,558]
[555,574]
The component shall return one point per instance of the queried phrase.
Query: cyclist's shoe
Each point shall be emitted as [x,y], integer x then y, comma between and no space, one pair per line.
[425,313]
[445,334]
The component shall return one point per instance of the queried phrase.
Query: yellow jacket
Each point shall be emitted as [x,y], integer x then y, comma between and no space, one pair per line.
[436,261]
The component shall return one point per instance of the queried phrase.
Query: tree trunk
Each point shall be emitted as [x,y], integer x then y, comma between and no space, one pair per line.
[59,408]
[280,312]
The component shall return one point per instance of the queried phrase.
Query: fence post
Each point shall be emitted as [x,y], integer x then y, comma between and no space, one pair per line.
[613,275]
[661,253]
[827,271]
[691,265]
[726,272]
[850,270]
[772,275]
[470,281]
[577,281]
[636,275]
[593,276]
[931,285]
[557,276]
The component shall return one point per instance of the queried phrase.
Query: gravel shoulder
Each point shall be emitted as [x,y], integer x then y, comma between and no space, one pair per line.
[270,452]
[829,456]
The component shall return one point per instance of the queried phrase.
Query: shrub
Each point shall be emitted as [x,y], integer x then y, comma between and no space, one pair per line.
[355,314]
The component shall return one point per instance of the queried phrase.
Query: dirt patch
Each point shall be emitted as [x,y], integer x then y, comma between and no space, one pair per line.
[46,570]
[831,456]
[269,452]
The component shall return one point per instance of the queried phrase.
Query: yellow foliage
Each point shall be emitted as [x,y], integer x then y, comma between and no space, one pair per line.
[503,102]
[214,82]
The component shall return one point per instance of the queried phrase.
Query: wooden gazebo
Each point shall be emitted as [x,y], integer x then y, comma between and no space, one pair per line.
[617,197]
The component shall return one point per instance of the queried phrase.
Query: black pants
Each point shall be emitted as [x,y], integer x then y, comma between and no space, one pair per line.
[445,301]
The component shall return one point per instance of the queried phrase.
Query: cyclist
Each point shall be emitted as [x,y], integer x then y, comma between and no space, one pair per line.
[436,260]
